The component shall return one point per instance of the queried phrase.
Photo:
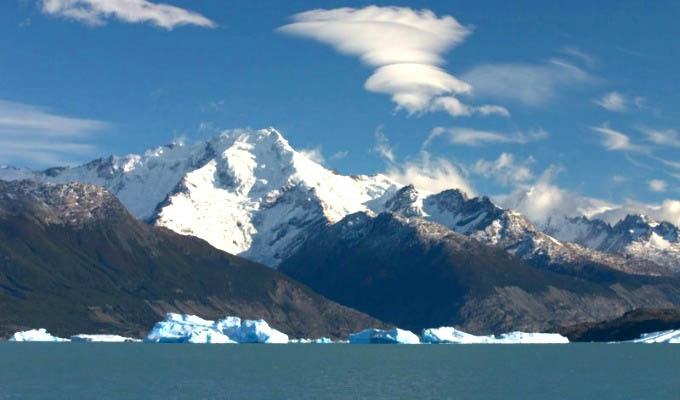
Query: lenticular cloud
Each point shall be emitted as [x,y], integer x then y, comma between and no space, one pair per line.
[404,45]
[95,12]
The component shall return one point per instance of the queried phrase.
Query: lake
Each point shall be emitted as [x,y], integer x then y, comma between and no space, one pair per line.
[339,371]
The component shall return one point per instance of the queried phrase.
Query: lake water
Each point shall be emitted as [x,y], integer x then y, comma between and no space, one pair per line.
[167,371]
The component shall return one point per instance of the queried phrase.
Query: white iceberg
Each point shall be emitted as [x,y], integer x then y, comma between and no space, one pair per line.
[102,338]
[448,334]
[670,336]
[35,335]
[323,340]
[182,328]
[379,336]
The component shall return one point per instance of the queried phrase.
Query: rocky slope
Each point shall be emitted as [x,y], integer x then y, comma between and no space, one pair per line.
[419,274]
[73,260]
[627,327]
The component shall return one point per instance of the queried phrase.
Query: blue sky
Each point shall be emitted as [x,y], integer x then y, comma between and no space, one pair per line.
[580,97]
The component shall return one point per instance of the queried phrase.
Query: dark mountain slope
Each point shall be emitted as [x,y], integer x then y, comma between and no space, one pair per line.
[73,260]
[627,327]
[418,274]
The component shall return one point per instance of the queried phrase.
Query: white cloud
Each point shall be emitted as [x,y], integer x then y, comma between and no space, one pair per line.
[404,45]
[618,179]
[657,185]
[474,137]
[96,12]
[382,145]
[579,54]
[314,154]
[617,141]
[667,137]
[31,135]
[613,101]
[531,84]
[432,175]
[543,200]
[504,169]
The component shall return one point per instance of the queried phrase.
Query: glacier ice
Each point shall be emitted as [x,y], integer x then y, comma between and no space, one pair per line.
[183,328]
[448,334]
[35,335]
[322,340]
[379,336]
[670,336]
[102,338]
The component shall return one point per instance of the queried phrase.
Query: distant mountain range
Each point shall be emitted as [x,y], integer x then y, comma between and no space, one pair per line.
[253,195]
[459,260]
[73,260]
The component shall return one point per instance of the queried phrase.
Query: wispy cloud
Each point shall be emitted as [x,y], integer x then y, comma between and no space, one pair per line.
[617,141]
[579,54]
[613,101]
[339,155]
[404,45]
[667,137]
[314,154]
[530,84]
[505,170]
[29,134]
[431,174]
[657,185]
[382,145]
[96,12]
[475,137]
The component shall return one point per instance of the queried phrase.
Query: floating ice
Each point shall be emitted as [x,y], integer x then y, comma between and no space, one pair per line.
[670,336]
[323,340]
[182,328]
[35,335]
[379,336]
[451,335]
[102,338]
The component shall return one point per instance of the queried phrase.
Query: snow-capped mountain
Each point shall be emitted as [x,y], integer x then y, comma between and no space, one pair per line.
[483,220]
[252,194]
[245,193]
[637,236]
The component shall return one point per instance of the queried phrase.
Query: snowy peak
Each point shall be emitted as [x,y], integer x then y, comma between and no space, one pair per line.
[636,236]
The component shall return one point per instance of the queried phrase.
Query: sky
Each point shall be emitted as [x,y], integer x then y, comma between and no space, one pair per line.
[574,103]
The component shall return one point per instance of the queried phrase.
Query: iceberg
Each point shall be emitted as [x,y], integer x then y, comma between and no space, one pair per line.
[102,338]
[379,336]
[35,335]
[448,334]
[323,340]
[183,328]
[670,336]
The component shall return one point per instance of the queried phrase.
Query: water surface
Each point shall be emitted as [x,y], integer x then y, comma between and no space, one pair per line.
[305,371]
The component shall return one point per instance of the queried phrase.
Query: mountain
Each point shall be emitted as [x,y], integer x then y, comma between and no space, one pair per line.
[483,220]
[629,326]
[417,274]
[251,194]
[73,260]
[247,193]
[638,237]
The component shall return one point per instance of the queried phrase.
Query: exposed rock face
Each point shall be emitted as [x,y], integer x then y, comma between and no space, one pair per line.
[73,260]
